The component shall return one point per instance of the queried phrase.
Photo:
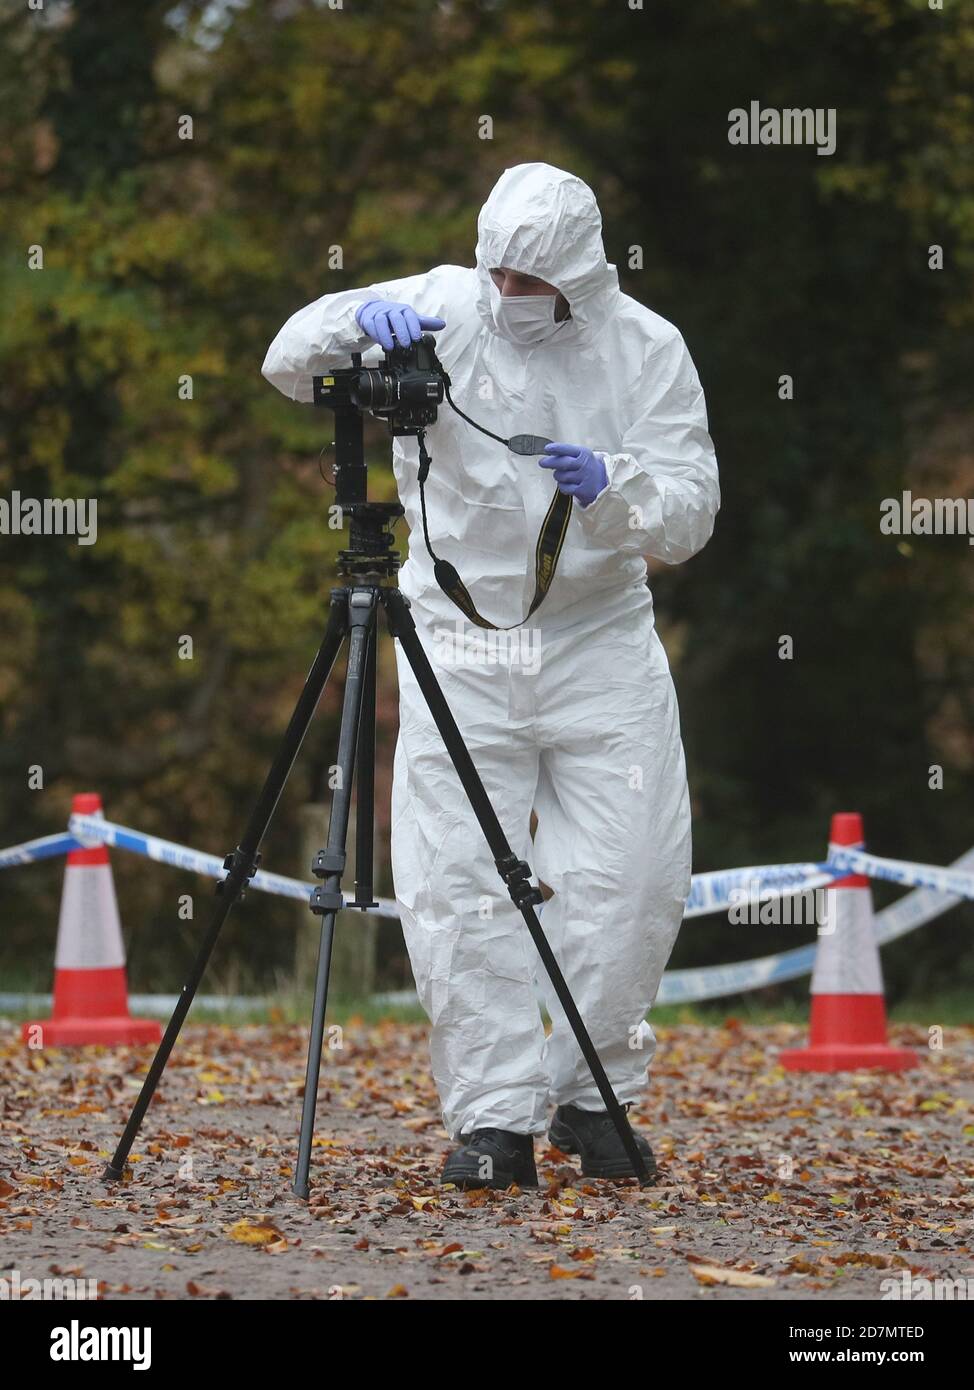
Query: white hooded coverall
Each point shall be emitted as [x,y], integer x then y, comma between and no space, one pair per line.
[575,715]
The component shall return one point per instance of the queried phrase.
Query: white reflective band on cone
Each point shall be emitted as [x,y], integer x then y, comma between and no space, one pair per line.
[89,931]
[847,961]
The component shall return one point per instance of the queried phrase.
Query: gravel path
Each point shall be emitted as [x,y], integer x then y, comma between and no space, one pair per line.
[772,1185]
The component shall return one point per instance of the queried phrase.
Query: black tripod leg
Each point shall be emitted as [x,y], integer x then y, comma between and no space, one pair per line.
[241,865]
[330,862]
[514,872]
[365,785]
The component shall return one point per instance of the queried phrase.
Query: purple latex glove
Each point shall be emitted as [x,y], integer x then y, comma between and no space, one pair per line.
[383,320]
[577,471]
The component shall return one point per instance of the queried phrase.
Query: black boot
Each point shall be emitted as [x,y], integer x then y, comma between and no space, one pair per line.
[492,1158]
[592,1134]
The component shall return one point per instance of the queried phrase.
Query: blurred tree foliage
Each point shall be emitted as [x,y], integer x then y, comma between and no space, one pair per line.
[166,258]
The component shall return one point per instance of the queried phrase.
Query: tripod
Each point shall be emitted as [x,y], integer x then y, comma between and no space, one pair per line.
[369,563]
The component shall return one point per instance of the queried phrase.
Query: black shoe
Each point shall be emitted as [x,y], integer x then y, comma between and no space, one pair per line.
[492,1158]
[592,1134]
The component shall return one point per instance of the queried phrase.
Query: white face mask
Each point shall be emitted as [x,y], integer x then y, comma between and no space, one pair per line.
[524,318]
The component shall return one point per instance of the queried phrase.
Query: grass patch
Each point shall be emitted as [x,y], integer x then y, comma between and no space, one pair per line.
[953,1009]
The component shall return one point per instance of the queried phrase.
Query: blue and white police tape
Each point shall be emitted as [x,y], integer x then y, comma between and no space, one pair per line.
[710,892]
[720,889]
[857,861]
[95,830]
[937,891]
[713,891]
[713,981]
[47,847]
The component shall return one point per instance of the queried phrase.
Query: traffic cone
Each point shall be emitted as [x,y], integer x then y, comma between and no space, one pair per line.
[848,1022]
[90,989]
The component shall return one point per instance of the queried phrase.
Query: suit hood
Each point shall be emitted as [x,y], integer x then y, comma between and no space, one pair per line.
[545,222]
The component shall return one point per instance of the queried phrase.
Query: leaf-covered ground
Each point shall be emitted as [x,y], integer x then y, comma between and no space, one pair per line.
[772,1184]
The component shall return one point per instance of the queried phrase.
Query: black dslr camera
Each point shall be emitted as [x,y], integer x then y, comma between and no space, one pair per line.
[405,391]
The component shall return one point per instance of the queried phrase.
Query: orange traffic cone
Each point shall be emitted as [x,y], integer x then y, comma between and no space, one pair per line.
[90,989]
[848,1022]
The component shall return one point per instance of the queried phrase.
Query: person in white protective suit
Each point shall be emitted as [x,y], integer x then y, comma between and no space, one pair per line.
[575,716]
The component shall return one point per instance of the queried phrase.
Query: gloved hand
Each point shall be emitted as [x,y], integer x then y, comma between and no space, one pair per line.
[577,471]
[382,319]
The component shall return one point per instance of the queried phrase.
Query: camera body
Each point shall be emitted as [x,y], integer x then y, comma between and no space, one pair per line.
[405,391]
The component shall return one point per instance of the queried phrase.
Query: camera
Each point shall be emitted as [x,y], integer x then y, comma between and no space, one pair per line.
[405,391]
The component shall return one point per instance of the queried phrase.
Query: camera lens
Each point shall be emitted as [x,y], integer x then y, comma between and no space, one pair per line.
[375,389]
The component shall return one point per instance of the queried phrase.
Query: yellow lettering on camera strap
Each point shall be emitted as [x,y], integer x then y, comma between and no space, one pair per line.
[551,538]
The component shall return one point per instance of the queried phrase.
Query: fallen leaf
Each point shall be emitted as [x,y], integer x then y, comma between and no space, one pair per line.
[253,1233]
[736,1278]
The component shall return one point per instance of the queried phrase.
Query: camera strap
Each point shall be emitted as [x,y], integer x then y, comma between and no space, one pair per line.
[551,538]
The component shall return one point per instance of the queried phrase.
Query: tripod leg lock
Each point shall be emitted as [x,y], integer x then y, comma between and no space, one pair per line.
[515,873]
[328,861]
[235,861]
[322,901]
[326,864]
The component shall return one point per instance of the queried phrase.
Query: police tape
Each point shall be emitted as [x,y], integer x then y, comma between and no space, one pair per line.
[857,861]
[709,892]
[95,830]
[937,891]
[720,889]
[913,910]
[713,891]
[33,850]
